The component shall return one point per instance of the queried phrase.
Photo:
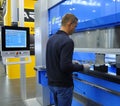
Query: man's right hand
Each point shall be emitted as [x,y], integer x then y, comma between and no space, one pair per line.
[86,67]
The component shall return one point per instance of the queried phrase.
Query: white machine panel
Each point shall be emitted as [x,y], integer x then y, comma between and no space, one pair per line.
[15,53]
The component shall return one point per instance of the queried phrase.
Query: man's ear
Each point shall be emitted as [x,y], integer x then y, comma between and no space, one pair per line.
[69,23]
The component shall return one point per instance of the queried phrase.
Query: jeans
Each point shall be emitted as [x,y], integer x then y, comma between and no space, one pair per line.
[62,95]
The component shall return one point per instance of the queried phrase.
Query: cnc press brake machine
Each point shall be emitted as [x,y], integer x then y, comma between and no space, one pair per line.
[97,42]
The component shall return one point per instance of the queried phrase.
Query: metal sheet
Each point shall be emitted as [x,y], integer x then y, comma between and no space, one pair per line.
[108,38]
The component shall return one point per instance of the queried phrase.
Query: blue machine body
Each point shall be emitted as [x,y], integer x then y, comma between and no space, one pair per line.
[98,95]
[94,88]
[92,14]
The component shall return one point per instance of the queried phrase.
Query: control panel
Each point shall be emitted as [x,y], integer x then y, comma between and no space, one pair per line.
[15,53]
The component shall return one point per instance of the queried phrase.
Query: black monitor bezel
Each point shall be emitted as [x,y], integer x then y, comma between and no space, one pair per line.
[3,37]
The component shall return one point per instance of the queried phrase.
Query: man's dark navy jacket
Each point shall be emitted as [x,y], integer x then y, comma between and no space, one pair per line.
[59,64]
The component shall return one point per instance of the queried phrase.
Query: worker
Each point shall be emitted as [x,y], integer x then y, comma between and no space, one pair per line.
[59,52]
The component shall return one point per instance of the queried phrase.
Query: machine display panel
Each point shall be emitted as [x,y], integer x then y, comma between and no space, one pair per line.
[15,38]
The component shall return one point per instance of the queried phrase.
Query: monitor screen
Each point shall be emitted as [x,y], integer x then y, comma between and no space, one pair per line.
[15,38]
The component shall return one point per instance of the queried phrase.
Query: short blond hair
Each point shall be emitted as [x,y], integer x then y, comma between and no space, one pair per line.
[68,18]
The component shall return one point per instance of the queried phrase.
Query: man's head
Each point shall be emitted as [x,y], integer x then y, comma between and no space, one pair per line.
[68,23]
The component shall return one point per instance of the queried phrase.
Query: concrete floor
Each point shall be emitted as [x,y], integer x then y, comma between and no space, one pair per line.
[10,93]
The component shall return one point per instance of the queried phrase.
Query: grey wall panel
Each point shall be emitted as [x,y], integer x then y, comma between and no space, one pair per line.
[53,2]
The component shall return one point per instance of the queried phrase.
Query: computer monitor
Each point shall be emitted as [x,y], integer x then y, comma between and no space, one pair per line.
[15,38]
